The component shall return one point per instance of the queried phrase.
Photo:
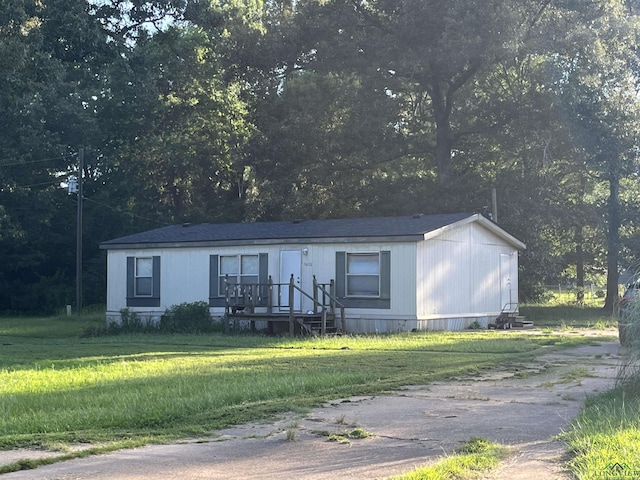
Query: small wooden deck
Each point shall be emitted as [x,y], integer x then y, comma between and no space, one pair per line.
[256,302]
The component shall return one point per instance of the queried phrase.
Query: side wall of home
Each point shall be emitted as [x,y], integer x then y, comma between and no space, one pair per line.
[465,275]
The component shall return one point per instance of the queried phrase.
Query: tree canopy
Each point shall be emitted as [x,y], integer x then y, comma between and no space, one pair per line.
[244,110]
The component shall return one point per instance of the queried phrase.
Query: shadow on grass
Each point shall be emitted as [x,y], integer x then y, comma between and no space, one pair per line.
[177,389]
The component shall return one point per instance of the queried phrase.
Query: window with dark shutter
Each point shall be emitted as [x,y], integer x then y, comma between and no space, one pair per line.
[363,279]
[242,269]
[143,281]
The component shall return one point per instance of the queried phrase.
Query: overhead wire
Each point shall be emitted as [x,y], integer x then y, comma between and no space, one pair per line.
[38,184]
[164,224]
[37,161]
[71,155]
[61,181]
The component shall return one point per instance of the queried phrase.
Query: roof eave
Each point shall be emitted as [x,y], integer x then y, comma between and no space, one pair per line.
[258,241]
[486,223]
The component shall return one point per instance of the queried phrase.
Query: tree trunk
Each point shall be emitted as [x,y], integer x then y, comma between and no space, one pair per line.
[613,241]
[579,239]
[442,114]
[443,153]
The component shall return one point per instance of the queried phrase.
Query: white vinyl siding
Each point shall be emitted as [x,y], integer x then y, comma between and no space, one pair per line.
[458,273]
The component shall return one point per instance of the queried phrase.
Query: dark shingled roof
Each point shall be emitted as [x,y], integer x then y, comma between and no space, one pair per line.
[415,225]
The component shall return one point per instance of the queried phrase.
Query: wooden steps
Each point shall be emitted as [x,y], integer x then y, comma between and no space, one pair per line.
[263,302]
[507,321]
[278,322]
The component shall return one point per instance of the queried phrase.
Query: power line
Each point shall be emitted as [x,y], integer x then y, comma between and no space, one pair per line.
[37,161]
[52,182]
[38,184]
[110,207]
[128,213]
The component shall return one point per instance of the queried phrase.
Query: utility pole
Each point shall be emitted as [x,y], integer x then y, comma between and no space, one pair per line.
[494,205]
[79,235]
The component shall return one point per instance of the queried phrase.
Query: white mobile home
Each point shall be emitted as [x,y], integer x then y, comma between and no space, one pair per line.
[441,272]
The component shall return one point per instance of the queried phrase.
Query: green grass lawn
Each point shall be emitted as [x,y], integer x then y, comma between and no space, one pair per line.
[57,388]
[470,461]
[604,439]
[568,316]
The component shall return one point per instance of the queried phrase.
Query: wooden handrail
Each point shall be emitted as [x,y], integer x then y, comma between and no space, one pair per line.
[248,296]
[334,302]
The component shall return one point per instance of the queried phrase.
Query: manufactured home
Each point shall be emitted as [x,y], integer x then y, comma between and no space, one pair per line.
[358,275]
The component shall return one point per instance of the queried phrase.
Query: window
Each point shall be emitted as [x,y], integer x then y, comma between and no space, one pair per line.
[143,281]
[144,277]
[241,269]
[363,280]
[363,274]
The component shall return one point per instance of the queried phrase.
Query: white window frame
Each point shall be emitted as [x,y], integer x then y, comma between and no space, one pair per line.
[349,275]
[137,276]
[239,276]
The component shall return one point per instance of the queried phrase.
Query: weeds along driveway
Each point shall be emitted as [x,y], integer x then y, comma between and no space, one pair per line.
[522,405]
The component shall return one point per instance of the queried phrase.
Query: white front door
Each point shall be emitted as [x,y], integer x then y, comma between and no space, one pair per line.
[507,299]
[290,264]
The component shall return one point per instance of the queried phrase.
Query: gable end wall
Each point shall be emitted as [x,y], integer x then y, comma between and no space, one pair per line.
[459,273]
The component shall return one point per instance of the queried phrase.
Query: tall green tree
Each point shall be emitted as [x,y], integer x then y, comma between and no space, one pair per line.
[598,90]
[176,129]
[430,54]
[52,56]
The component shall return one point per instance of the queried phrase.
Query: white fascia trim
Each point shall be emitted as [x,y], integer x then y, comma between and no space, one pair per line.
[486,223]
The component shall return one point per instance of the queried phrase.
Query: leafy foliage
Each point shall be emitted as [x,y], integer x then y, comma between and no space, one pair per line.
[188,318]
[251,110]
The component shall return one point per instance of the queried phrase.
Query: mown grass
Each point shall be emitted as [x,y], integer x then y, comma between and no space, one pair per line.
[57,388]
[568,316]
[49,327]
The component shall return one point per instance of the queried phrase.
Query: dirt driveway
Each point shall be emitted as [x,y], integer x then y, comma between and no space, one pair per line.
[524,406]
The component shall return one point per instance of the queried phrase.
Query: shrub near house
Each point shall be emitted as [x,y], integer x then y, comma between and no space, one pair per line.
[188,318]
